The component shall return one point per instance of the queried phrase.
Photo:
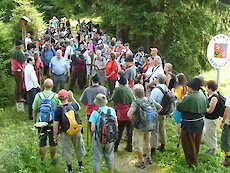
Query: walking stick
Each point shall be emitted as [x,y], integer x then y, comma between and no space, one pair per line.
[178,145]
[89,83]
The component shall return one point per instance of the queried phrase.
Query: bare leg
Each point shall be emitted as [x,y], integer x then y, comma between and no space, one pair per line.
[52,153]
[42,152]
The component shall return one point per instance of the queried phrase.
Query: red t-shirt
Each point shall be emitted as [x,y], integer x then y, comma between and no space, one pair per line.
[90,109]
[16,65]
[109,68]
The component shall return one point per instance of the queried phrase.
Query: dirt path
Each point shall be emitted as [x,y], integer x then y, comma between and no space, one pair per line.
[124,162]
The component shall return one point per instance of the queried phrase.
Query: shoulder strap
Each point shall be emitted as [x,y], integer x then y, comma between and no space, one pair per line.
[161,89]
[41,95]
[51,96]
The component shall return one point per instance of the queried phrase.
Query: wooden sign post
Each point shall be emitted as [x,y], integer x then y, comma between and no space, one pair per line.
[23,21]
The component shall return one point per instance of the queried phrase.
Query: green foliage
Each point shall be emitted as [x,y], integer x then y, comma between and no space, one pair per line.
[5,40]
[7,85]
[25,8]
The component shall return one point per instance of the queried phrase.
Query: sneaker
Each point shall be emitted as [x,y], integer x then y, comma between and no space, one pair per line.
[80,168]
[140,164]
[226,162]
[149,161]
[209,151]
[67,171]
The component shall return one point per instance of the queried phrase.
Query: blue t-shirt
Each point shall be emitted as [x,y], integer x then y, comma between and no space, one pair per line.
[94,119]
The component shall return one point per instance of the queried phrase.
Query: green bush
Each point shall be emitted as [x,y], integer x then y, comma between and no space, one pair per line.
[5,40]
[25,8]
[7,85]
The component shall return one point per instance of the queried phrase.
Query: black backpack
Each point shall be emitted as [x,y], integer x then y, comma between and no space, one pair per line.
[221,107]
[108,127]
[167,102]
[173,81]
[145,116]
[70,122]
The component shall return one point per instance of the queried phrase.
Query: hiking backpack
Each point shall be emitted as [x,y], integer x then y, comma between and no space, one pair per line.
[221,107]
[173,81]
[46,108]
[108,127]
[146,114]
[167,102]
[70,122]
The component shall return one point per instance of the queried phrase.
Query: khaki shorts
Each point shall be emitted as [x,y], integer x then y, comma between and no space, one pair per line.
[66,143]
[141,140]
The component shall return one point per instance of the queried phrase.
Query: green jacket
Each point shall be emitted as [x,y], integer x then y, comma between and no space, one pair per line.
[193,108]
[122,94]
[194,102]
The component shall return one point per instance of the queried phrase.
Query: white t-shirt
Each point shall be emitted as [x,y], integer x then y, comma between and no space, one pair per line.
[157,70]
[31,80]
[227,104]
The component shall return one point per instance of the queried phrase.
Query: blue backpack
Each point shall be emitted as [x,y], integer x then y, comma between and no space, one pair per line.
[46,108]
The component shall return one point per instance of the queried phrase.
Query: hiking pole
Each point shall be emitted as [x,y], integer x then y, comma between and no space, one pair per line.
[178,145]
[87,135]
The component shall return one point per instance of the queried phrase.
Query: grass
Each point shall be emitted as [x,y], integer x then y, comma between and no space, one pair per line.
[224,78]
[19,150]
[19,146]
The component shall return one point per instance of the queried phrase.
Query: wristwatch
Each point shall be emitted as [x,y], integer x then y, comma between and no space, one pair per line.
[223,121]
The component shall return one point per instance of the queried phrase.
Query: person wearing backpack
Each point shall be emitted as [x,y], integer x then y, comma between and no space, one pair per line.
[171,81]
[143,128]
[157,95]
[104,127]
[211,117]
[67,120]
[44,104]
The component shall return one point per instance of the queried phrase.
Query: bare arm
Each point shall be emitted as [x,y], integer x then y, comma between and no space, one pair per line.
[55,129]
[225,117]
[34,115]
[73,99]
[212,105]
[93,127]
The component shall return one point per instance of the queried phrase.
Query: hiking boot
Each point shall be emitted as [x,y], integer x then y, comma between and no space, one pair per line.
[226,162]
[115,149]
[148,160]
[161,148]
[128,149]
[80,168]
[140,164]
[211,152]
[67,171]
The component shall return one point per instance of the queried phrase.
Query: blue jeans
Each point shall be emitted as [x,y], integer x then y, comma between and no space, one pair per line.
[31,95]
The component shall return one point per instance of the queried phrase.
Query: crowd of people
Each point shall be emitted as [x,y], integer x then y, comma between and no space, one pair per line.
[105,70]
